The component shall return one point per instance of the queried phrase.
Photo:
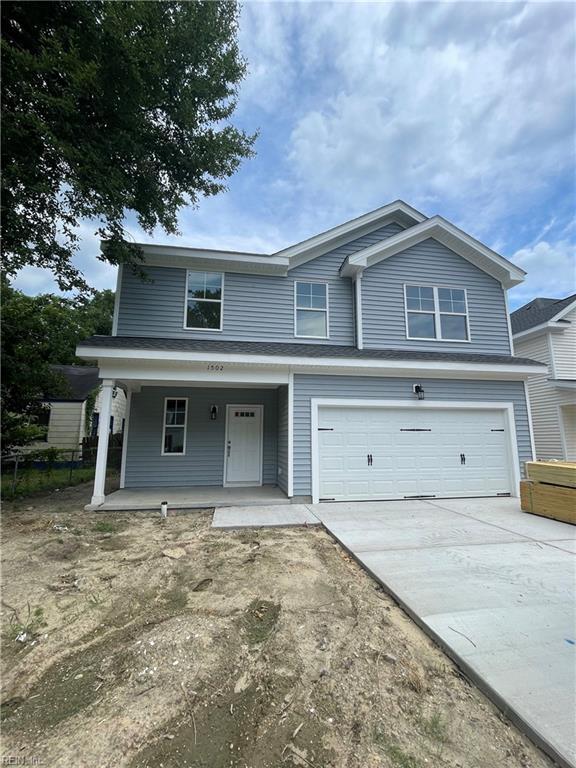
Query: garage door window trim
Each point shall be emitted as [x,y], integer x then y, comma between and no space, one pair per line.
[440,303]
[507,407]
[310,301]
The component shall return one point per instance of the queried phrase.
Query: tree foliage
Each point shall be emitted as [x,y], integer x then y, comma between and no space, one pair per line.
[37,332]
[110,107]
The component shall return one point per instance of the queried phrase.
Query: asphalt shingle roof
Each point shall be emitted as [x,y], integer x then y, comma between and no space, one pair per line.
[292,350]
[80,380]
[537,311]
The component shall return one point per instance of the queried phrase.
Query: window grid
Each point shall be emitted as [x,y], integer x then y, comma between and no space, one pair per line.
[446,302]
[175,419]
[202,279]
[311,297]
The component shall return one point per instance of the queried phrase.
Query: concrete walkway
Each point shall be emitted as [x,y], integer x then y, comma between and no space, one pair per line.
[495,588]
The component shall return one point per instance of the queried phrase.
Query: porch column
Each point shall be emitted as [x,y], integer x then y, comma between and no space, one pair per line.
[103,436]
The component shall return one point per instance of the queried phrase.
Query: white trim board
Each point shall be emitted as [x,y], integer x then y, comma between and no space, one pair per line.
[290,436]
[318,402]
[125,439]
[449,235]
[389,367]
[116,314]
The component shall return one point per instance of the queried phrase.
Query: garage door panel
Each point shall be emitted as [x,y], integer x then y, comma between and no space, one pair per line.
[414,452]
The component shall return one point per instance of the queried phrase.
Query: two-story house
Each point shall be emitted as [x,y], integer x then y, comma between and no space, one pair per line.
[545,330]
[372,361]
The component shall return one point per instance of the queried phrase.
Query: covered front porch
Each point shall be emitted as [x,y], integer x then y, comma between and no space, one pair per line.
[192,497]
[197,436]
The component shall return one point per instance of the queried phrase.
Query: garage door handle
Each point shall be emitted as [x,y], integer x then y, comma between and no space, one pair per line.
[369,459]
[462,458]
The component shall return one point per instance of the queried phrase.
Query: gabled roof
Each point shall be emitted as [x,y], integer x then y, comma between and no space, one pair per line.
[398,211]
[540,311]
[449,235]
[80,380]
[280,262]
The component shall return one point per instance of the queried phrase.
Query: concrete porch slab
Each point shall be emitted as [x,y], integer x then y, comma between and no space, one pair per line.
[191,497]
[257,517]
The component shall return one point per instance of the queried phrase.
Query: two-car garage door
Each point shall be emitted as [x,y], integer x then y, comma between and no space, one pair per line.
[396,453]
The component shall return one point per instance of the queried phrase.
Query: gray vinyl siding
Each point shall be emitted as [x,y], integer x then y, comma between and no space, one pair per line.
[256,307]
[309,386]
[283,438]
[203,462]
[431,263]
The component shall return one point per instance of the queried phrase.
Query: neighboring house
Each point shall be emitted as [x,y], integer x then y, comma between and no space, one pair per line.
[70,418]
[372,361]
[545,330]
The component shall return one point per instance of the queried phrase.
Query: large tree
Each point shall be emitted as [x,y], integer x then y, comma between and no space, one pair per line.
[111,107]
[37,332]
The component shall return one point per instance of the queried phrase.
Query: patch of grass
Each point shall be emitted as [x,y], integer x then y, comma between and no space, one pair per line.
[31,480]
[416,679]
[105,526]
[435,727]
[260,619]
[394,751]
[23,630]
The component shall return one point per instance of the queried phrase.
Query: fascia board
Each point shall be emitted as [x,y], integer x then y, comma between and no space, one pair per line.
[548,327]
[353,364]
[563,312]
[443,230]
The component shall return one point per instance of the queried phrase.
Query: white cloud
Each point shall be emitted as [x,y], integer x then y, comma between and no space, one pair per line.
[551,269]
[451,106]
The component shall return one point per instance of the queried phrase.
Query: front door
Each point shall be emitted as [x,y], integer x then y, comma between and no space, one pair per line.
[243,449]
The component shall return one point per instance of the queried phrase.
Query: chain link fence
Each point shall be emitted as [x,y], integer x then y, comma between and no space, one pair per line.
[49,469]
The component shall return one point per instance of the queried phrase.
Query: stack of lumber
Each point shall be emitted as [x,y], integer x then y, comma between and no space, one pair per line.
[550,490]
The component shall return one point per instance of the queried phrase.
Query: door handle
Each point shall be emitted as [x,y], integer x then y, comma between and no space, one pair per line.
[462,458]
[228,448]
[369,459]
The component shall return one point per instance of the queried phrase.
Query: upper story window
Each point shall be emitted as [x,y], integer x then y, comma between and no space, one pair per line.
[436,313]
[174,427]
[311,310]
[204,292]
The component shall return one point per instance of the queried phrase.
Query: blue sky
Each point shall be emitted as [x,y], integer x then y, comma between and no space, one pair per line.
[463,109]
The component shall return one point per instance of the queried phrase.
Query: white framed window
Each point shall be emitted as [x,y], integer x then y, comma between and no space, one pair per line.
[311,310]
[204,301]
[436,313]
[174,426]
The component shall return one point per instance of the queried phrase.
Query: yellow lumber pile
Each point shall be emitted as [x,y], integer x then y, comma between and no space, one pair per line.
[550,490]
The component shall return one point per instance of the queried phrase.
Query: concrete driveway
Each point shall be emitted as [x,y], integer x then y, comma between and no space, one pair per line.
[494,586]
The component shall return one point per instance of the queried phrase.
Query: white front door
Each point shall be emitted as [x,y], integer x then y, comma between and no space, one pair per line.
[243,449]
[398,453]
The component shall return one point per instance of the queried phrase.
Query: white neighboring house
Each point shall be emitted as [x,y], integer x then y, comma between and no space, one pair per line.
[545,330]
[67,420]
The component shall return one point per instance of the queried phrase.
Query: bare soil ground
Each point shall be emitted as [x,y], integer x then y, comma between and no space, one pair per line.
[128,641]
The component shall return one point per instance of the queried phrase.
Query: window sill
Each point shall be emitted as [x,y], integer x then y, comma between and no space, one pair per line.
[444,341]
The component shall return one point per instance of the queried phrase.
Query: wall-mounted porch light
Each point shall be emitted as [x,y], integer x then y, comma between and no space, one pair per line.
[418,390]
[213,412]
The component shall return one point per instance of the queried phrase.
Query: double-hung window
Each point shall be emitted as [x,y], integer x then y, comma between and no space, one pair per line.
[311,308]
[174,431]
[436,313]
[204,292]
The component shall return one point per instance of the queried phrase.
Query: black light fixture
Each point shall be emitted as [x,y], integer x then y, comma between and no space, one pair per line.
[213,412]
[418,390]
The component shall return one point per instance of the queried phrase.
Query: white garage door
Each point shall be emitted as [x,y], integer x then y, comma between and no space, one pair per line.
[397,453]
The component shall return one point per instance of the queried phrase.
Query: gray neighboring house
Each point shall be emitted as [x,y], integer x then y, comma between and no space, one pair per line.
[371,361]
[67,419]
[545,330]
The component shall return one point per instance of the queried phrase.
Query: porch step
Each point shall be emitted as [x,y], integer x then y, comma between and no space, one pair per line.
[199,497]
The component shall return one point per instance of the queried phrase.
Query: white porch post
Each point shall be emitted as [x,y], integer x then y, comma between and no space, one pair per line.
[103,436]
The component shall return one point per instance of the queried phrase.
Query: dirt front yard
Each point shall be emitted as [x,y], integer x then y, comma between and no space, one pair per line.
[131,641]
